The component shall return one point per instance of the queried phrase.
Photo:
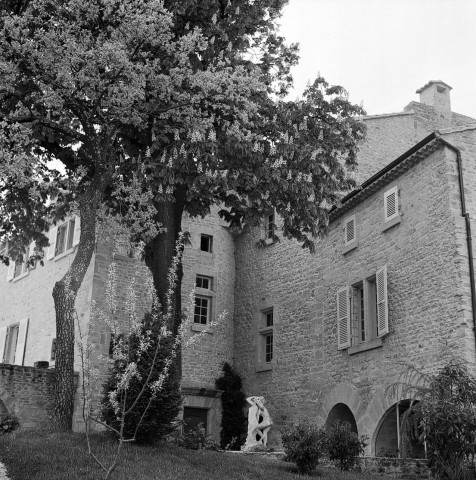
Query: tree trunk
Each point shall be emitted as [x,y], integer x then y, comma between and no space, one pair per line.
[160,253]
[64,295]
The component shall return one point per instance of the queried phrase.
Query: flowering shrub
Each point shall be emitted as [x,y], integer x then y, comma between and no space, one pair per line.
[304,443]
[343,445]
[196,439]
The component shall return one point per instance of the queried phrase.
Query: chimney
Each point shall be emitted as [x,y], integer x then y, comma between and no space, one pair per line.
[436,94]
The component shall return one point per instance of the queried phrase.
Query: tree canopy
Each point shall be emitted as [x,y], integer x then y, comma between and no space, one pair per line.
[149,109]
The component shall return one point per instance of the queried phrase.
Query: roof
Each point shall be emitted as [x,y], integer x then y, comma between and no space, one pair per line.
[418,152]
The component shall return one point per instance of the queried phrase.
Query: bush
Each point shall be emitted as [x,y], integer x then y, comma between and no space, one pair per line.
[343,445]
[196,439]
[233,401]
[304,443]
[445,418]
[160,417]
[8,423]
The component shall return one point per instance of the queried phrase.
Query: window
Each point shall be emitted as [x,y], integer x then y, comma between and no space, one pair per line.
[53,350]
[13,342]
[19,269]
[194,417]
[206,243]
[390,200]
[270,227]
[203,300]
[266,339]
[64,237]
[362,312]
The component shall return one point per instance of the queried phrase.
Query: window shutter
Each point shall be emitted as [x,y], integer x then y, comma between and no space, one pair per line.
[21,342]
[77,230]
[350,230]
[11,270]
[382,302]
[391,203]
[52,237]
[3,340]
[343,318]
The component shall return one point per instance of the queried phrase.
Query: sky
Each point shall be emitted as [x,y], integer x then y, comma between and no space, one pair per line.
[382,51]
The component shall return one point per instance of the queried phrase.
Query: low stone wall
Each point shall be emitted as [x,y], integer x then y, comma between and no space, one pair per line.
[28,392]
[412,468]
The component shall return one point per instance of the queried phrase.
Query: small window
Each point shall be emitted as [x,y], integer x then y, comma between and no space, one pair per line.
[440,89]
[206,242]
[391,204]
[270,227]
[21,267]
[61,239]
[203,282]
[53,349]
[64,237]
[266,338]
[349,230]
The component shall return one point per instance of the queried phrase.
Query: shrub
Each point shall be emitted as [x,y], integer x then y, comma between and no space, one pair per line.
[304,442]
[196,439]
[233,401]
[343,445]
[445,418]
[8,423]
[161,414]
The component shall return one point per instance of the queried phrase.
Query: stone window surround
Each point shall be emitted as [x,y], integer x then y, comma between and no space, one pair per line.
[263,332]
[208,293]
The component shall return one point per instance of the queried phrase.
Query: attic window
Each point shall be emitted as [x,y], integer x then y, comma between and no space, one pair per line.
[440,89]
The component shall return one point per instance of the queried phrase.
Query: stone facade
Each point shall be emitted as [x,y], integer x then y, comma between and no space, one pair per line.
[281,331]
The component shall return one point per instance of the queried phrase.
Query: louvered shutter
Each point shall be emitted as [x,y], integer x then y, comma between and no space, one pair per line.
[11,270]
[382,302]
[350,230]
[391,203]
[52,238]
[3,339]
[343,318]
[21,342]
[77,230]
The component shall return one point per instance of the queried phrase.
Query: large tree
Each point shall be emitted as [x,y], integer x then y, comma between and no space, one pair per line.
[72,76]
[125,92]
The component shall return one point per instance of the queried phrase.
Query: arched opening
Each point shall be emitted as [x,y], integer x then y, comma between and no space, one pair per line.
[394,439]
[340,411]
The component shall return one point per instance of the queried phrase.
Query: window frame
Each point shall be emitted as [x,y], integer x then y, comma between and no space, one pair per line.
[208,237]
[72,231]
[204,293]
[266,339]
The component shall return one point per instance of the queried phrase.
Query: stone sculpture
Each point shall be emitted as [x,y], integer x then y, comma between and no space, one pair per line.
[259,423]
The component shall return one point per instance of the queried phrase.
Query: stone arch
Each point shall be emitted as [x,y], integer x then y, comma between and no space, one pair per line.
[340,411]
[342,394]
[388,436]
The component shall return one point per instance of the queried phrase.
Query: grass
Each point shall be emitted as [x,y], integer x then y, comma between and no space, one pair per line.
[53,456]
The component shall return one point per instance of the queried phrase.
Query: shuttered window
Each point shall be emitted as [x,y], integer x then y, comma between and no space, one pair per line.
[391,204]
[63,237]
[349,230]
[362,311]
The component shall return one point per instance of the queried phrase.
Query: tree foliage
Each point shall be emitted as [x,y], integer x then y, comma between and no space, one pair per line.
[445,418]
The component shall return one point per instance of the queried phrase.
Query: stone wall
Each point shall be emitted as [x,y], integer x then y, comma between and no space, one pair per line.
[309,375]
[28,393]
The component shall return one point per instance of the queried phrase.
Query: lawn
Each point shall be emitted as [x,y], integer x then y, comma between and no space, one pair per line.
[53,456]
